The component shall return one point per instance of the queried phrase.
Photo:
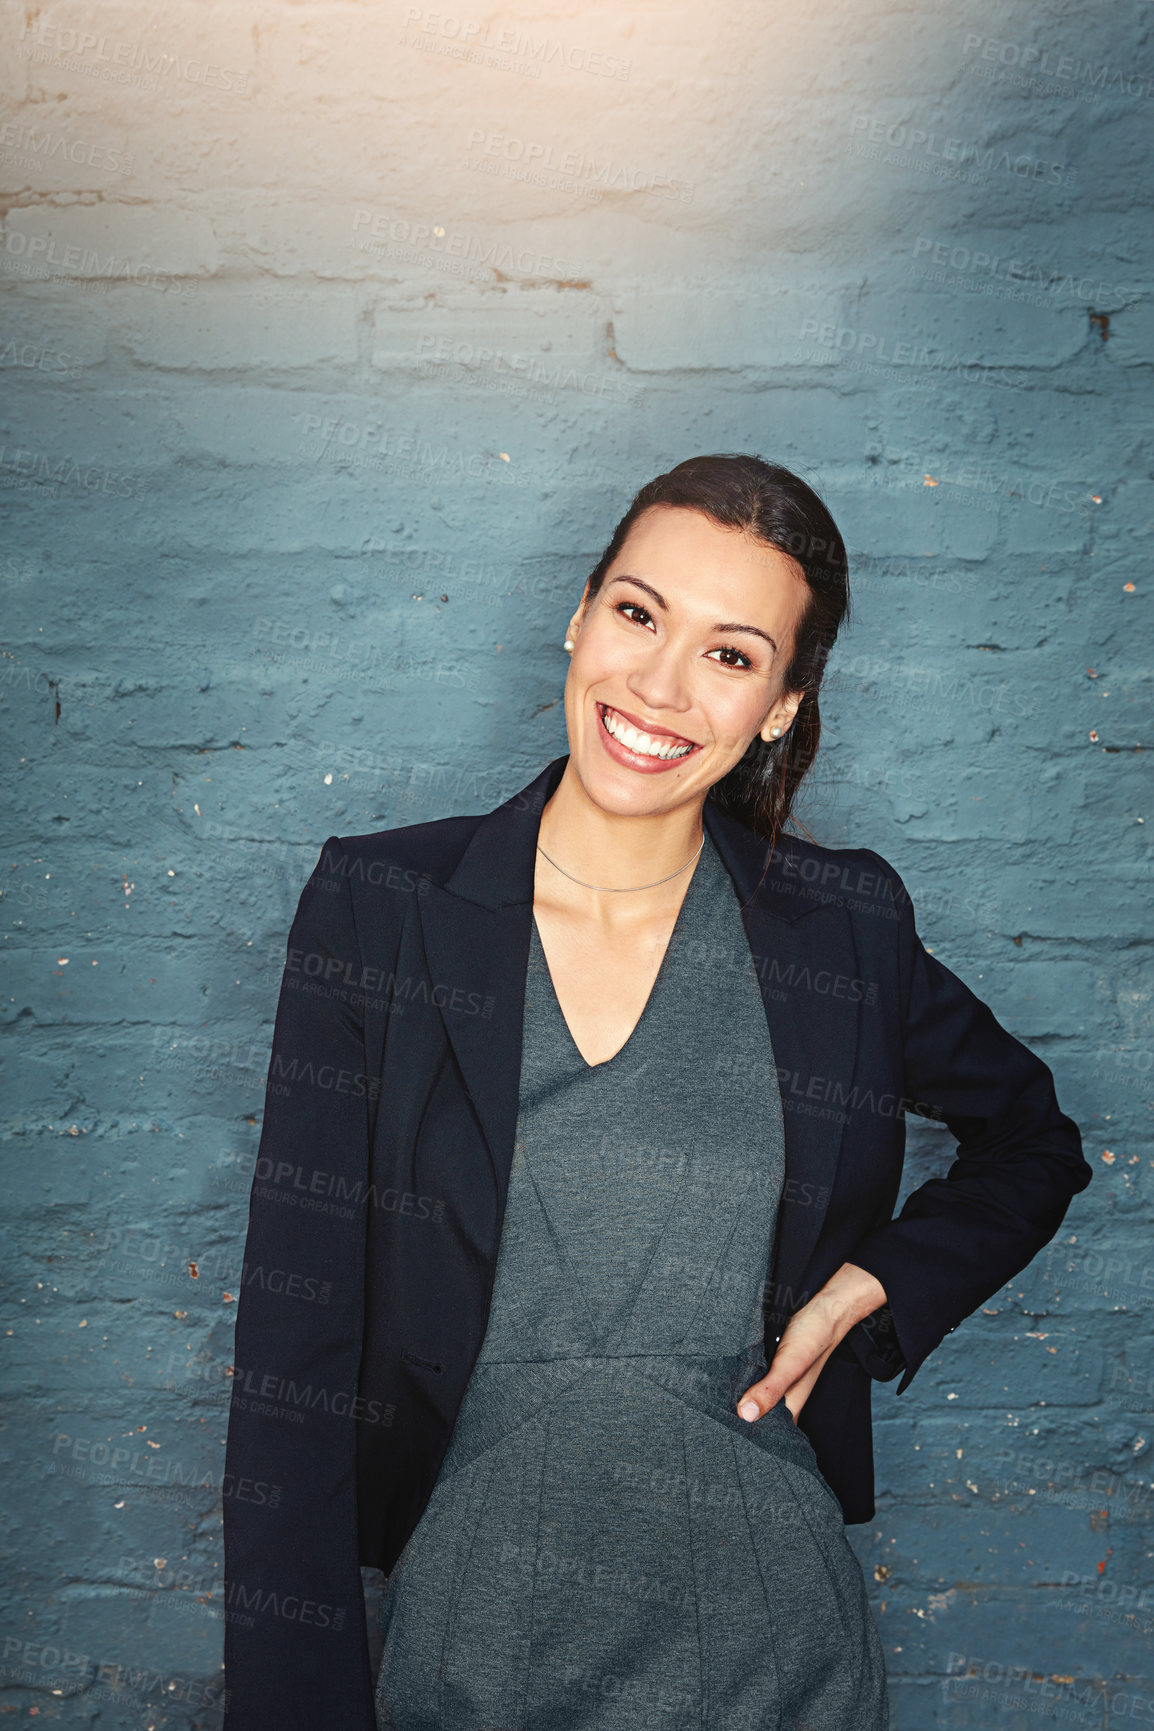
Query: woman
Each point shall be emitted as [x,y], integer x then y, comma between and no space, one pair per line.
[587,1119]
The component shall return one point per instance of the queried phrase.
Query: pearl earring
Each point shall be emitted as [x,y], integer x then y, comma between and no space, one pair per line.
[569,645]
[775,732]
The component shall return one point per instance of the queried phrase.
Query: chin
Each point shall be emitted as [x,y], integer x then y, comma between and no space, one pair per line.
[625,792]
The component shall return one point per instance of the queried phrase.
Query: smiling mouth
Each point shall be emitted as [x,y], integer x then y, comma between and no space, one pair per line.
[666,747]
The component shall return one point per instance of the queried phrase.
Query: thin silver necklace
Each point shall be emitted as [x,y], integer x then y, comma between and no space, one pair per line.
[617,889]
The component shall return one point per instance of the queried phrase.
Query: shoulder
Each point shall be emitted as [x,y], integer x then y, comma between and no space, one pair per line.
[855,878]
[407,858]
[369,884]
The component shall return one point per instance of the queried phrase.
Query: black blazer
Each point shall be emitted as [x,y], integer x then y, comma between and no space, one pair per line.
[381,1181]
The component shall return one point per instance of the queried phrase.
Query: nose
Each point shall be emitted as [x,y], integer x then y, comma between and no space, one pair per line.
[659,680]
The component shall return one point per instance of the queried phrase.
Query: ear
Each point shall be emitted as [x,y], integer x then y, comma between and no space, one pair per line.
[574,627]
[780,715]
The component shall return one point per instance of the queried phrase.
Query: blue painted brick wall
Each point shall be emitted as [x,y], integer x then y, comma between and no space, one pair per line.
[334,339]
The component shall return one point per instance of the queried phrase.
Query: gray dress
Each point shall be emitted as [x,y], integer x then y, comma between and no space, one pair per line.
[608,1545]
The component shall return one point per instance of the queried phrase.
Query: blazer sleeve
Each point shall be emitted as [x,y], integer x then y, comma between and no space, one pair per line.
[296,1654]
[1018,1164]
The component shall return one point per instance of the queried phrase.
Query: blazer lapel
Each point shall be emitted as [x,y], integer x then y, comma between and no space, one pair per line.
[804,952]
[476,929]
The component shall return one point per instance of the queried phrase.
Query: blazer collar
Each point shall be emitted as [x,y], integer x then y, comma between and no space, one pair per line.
[497,867]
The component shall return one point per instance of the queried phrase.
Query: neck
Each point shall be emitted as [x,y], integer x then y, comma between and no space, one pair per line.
[619,851]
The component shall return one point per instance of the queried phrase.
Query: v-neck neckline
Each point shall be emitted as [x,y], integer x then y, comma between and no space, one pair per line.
[657,978]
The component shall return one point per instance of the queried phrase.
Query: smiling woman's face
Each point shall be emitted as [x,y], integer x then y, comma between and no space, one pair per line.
[679,661]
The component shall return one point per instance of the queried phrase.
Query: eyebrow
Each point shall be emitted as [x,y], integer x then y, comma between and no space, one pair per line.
[731,626]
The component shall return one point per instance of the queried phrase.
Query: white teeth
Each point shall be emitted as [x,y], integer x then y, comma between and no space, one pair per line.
[642,743]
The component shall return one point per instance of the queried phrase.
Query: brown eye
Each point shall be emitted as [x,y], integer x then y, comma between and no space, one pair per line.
[740,658]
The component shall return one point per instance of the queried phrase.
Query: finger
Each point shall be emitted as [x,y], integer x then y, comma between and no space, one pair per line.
[758,1399]
[790,1362]
[795,1369]
[796,1397]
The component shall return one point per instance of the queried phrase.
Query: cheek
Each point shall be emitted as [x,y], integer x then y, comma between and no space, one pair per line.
[736,715]
[601,653]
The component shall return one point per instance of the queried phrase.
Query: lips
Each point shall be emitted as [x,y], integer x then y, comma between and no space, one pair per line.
[650,749]
[646,727]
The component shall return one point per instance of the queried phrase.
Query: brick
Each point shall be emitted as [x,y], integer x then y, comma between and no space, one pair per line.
[227,328]
[50,336]
[961,335]
[118,241]
[674,331]
[533,340]
[1130,342]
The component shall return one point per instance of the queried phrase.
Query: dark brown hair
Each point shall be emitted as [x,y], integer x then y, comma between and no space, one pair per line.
[779,510]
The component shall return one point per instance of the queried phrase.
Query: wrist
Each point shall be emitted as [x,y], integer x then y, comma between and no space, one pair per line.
[854,1294]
